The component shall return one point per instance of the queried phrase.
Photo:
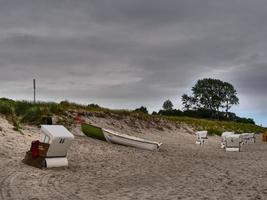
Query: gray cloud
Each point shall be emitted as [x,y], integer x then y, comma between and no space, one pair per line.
[126,53]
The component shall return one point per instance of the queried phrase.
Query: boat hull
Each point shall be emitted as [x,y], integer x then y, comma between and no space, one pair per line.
[130,141]
[93,131]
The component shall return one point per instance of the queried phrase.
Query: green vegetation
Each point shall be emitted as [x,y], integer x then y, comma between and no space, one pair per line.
[93,131]
[215,127]
[167,105]
[26,112]
[211,94]
[23,112]
[210,99]
[142,109]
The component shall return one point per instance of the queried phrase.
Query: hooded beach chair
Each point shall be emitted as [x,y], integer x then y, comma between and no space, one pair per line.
[202,137]
[248,138]
[233,142]
[51,150]
[223,138]
[59,140]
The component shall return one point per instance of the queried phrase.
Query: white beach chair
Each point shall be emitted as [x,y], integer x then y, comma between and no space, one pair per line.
[223,138]
[248,138]
[59,140]
[233,142]
[202,137]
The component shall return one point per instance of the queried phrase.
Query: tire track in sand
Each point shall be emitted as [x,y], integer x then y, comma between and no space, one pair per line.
[53,185]
[7,186]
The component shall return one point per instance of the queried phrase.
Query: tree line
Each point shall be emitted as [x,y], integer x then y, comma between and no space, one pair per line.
[210,98]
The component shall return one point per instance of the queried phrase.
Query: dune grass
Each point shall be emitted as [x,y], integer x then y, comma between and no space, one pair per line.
[24,112]
[215,127]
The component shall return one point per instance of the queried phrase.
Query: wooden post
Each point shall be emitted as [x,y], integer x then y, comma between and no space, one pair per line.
[34,92]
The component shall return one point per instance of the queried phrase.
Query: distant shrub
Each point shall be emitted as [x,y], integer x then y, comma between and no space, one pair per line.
[93,106]
[65,102]
[141,109]
[154,113]
[173,112]
[245,120]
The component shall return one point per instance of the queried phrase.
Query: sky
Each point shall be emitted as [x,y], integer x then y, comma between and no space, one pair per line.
[127,54]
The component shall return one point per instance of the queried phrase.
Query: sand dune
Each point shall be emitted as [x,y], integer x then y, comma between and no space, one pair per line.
[98,170]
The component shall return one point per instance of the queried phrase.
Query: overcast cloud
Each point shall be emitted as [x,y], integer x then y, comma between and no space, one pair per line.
[128,53]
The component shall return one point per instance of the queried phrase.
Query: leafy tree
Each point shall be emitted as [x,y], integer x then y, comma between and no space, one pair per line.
[211,94]
[207,93]
[230,97]
[188,102]
[167,105]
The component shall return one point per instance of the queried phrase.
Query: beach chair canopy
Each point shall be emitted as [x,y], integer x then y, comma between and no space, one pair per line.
[59,139]
[202,134]
[225,134]
[51,132]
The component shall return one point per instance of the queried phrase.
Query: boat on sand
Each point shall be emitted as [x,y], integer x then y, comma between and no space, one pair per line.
[118,138]
[126,140]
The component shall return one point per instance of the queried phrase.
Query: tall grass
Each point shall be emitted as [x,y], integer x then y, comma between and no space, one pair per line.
[28,112]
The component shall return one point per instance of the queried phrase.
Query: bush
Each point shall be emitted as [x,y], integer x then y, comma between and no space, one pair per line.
[5,108]
[22,107]
[142,109]
[35,114]
[212,131]
[171,112]
[55,109]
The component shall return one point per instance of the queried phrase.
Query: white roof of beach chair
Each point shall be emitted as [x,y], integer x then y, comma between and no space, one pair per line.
[224,134]
[248,134]
[59,139]
[56,131]
[202,134]
[233,136]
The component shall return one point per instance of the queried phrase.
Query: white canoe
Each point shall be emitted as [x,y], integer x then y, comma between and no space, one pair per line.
[132,141]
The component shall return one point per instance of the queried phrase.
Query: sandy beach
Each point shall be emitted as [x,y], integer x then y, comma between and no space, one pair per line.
[99,170]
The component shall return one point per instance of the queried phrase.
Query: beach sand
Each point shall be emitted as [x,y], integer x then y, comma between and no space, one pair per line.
[99,170]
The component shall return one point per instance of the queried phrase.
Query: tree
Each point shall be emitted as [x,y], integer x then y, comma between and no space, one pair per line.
[188,102]
[211,94]
[230,97]
[167,105]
